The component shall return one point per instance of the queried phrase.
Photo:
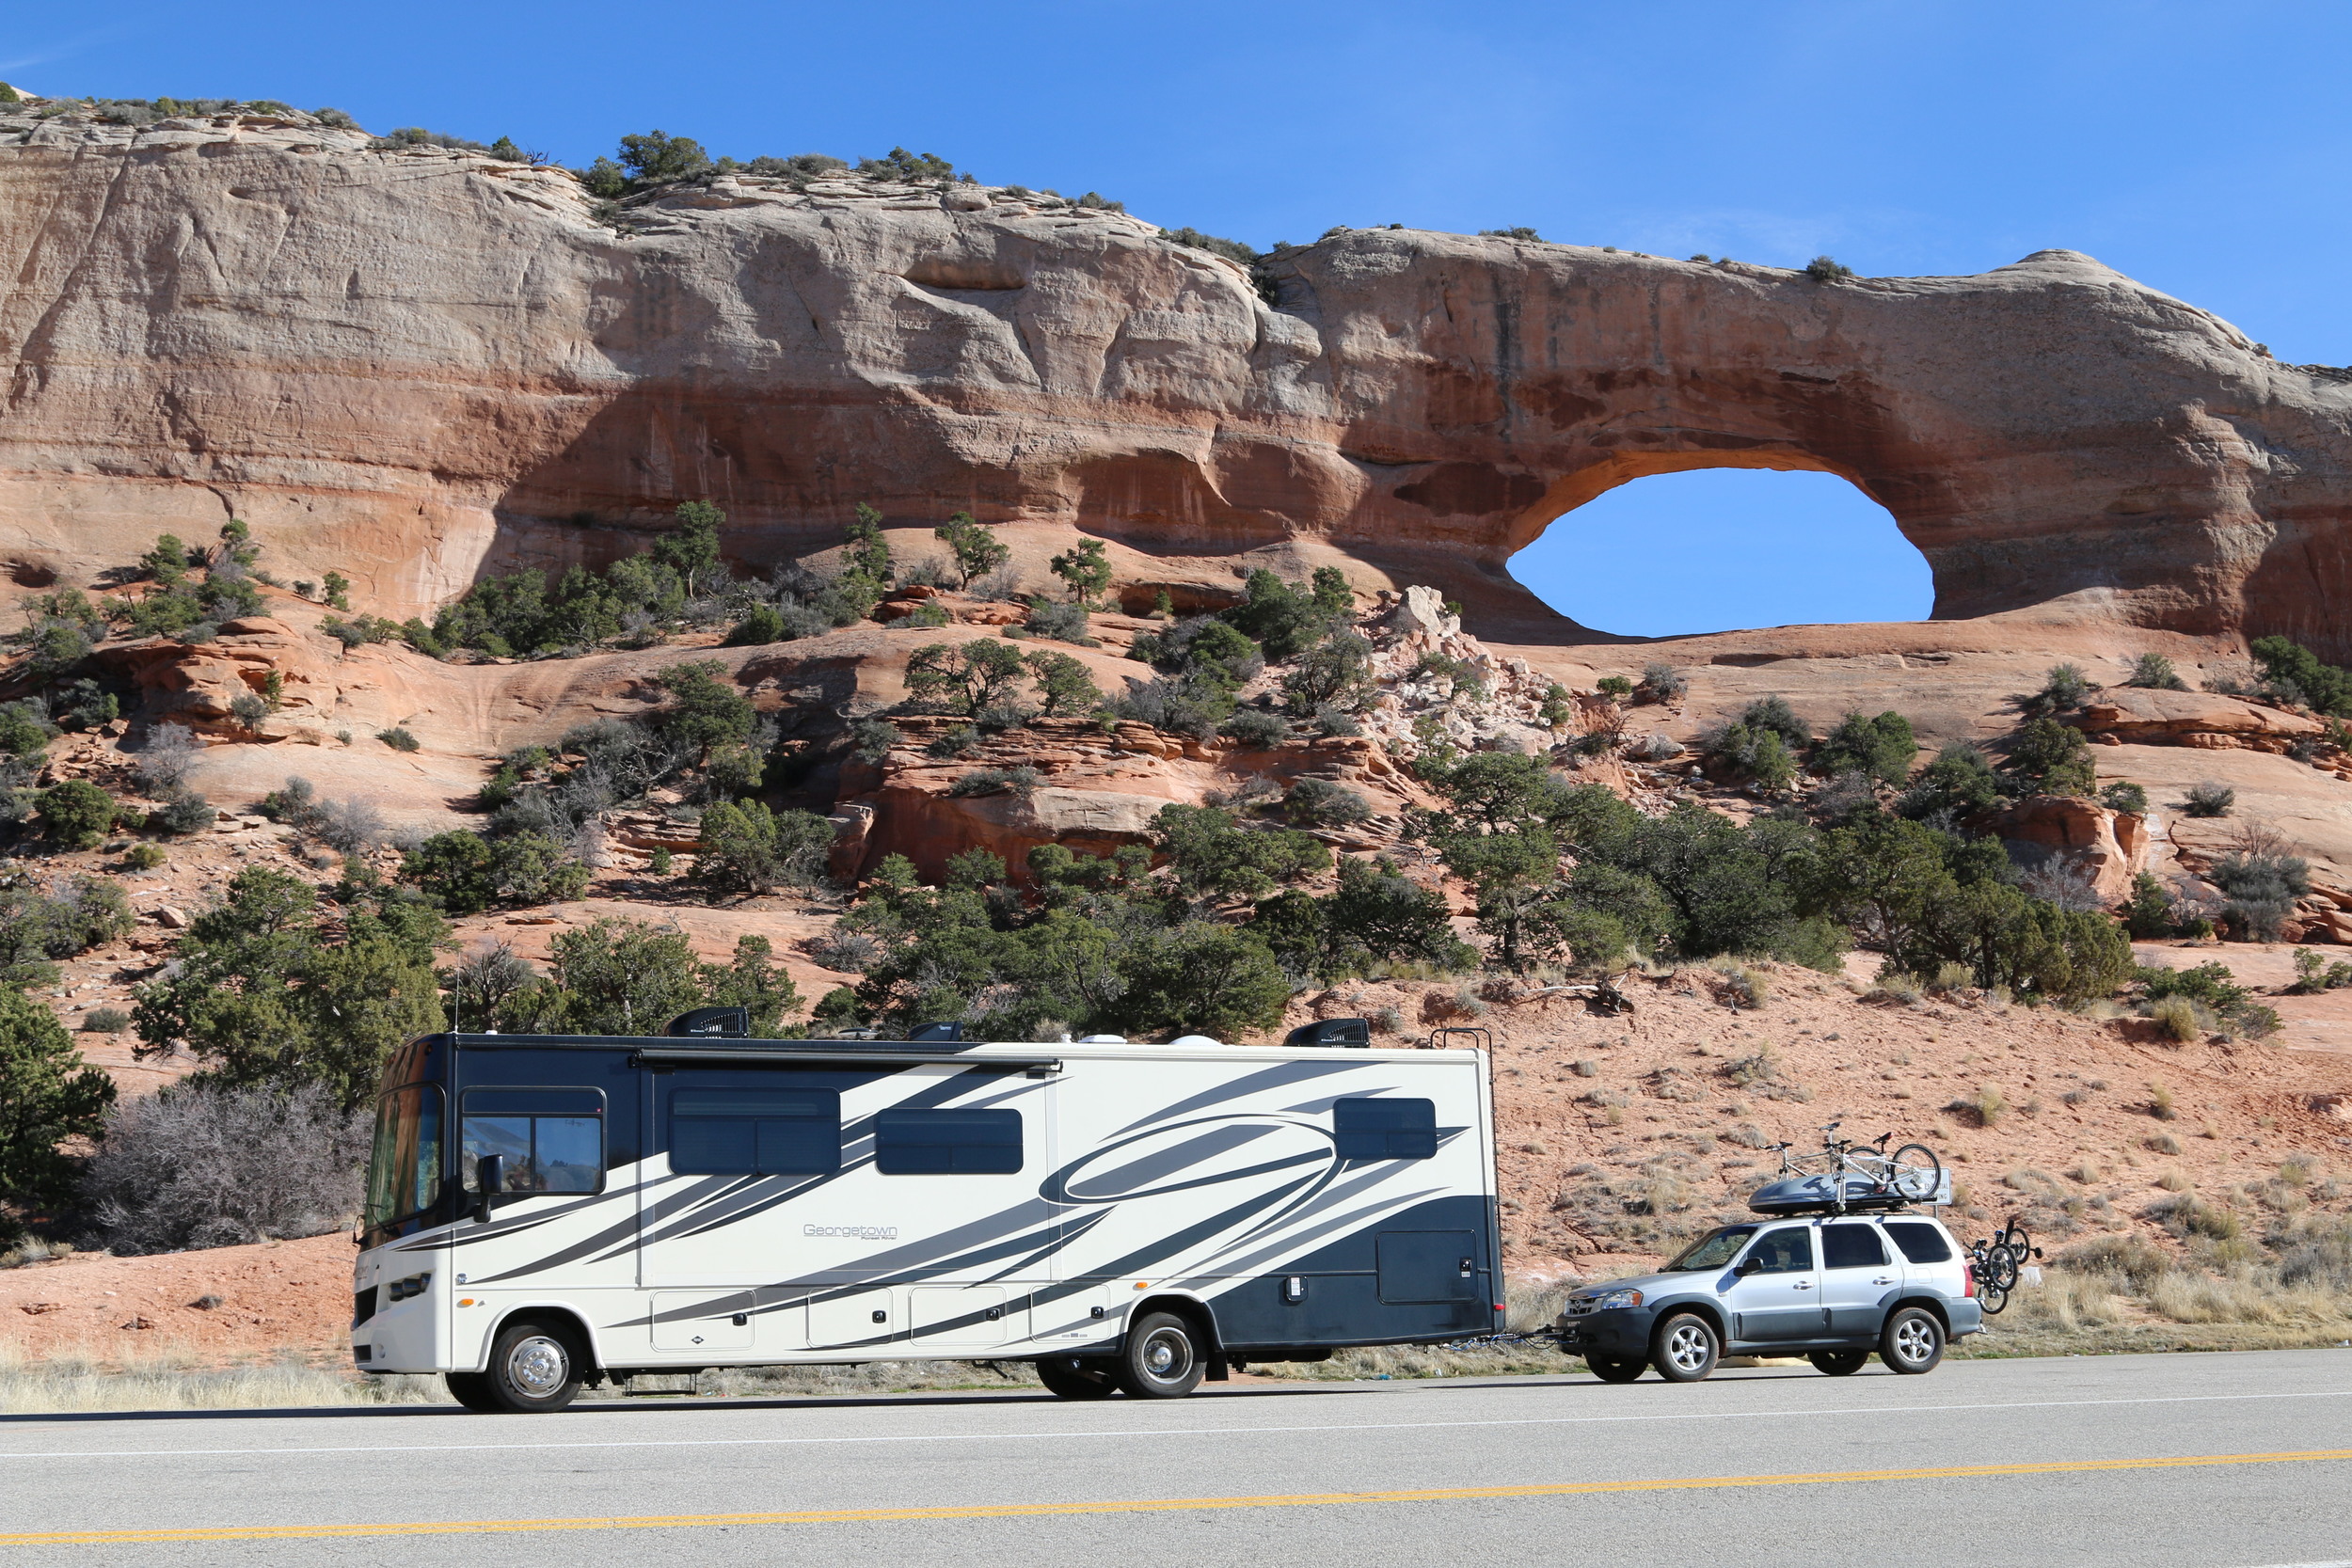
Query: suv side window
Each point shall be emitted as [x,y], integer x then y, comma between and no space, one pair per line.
[1920,1243]
[1787,1250]
[1852,1247]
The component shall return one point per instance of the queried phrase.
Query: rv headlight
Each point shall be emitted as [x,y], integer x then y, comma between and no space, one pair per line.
[1612,1301]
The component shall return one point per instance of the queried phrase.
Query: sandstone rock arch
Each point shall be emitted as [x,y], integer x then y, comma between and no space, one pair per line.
[411,366]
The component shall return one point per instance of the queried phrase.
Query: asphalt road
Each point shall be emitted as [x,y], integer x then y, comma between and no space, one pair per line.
[2157,1462]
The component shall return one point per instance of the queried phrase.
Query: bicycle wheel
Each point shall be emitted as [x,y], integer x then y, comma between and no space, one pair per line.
[2020,1244]
[1990,1297]
[1999,1270]
[1914,1172]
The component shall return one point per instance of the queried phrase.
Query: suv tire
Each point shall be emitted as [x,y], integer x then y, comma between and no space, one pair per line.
[1913,1342]
[535,1368]
[1076,1377]
[1615,1368]
[1838,1363]
[1161,1359]
[1687,1348]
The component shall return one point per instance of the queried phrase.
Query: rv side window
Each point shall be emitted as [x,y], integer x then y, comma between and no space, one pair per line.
[754,1132]
[1386,1128]
[551,1140]
[947,1143]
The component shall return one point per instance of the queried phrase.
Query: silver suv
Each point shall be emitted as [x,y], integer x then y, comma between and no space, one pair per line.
[1832,1288]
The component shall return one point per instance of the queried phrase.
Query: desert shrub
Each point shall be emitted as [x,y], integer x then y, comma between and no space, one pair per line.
[2260,882]
[1062,683]
[953,743]
[761,624]
[1062,622]
[871,739]
[50,1097]
[1617,688]
[1286,619]
[168,758]
[248,710]
[1320,803]
[625,978]
[2297,673]
[2178,1016]
[25,731]
[197,1166]
[185,812]
[1232,250]
[144,857]
[1334,673]
[995,781]
[1333,722]
[1880,748]
[2155,672]
[398,739]
[1827,269]
[105,1021]
[851,952]
[263,995]
[1257,728]
[1957,784]
[1741,751]
[2129,798]
[2209,800]
[74,814]
[2050,758]
[2314,973]
[742,847]
[1190,704]
[466,872]
[352,826]
[1661,682]
[1085,569]
[2064,688]
[977,549]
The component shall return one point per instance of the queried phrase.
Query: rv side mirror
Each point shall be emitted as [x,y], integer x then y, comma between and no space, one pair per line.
[490,1173]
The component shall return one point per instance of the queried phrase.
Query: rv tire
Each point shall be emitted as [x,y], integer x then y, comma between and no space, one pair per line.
[1078,1377]
[473,1390]
[534,1367]
[1161,1359]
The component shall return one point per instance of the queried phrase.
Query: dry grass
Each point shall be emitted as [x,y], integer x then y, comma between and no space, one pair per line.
[167,1378]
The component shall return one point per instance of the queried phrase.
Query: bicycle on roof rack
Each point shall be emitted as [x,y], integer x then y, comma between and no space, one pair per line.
[1997,1263]
[1851,1174]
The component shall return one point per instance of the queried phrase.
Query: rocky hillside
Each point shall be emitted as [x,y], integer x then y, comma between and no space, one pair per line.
[414,362]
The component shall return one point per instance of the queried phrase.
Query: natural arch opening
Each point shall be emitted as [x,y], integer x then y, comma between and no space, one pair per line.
[1723,550]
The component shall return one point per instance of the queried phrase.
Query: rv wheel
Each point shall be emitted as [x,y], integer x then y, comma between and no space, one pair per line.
[473,1390]
[533,1368]
[1160,1361]
[1078,1377]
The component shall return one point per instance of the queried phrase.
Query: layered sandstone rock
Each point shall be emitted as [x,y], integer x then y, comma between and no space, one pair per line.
[2211,722]
[416,365]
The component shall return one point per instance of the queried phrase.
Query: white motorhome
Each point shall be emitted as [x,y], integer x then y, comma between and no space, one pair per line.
[547,1212]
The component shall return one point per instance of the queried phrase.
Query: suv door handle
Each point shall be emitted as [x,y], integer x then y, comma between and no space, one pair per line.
[1884,1279]
[1805,1285]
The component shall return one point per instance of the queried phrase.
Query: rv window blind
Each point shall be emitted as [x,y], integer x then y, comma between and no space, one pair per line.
[754,1132]
[947,1143]
[1385,1128]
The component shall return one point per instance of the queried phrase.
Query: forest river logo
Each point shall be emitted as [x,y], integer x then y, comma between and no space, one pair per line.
[862,1232]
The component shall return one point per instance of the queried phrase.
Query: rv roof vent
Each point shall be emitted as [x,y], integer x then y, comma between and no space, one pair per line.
[730,1023]
[936,1032]
[1194,1040]
[1101,1039]
[1332,1031]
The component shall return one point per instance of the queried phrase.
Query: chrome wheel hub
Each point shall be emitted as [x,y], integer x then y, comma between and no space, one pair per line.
[1686,1347]
[1166,1357]
[538,1366]
[1914,1341]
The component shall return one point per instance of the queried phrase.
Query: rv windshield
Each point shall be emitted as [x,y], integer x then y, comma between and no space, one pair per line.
[1713,1250]
[404,1170]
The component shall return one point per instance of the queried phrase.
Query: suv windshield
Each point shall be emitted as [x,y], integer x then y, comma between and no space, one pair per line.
[1714,1250]
[404,1170]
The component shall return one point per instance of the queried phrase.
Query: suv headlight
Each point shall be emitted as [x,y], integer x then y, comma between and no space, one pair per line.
[1611,1301]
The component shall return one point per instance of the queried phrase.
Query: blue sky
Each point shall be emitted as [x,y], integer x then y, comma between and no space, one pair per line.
[2199,148]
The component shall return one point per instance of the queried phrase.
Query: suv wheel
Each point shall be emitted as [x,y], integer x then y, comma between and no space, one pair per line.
[1838,1363]
[1161,1359]
[1914,1340]
[1687,1348]
[1615,1368]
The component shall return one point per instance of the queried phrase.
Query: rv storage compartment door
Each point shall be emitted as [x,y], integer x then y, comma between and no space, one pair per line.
[1428,1266]
[951,1317]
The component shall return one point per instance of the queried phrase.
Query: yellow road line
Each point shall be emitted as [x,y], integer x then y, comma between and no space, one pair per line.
[1146,1505]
